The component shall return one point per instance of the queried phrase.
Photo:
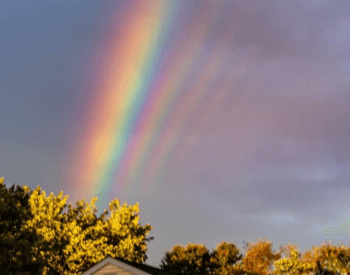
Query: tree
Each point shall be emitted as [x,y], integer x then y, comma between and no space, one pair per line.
[74,238]
[197,259]
[293,263]
[42,234]
[259,257]
[191,259]
[16,242]
[326,259]
[224,258]
[329,259]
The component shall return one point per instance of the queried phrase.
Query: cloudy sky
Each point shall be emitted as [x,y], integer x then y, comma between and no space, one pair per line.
[226,120]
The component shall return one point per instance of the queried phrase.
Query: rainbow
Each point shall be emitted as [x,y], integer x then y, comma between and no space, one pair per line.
[148,88]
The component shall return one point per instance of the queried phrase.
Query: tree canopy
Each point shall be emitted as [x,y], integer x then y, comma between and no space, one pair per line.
[197,259]
[62,239]
[17,243]
[192,259]
[259,259]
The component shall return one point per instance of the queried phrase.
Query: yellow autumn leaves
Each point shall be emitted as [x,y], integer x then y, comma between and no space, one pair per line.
[70,239]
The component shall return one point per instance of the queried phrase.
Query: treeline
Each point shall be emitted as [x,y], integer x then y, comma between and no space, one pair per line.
[259,259]
[42,234]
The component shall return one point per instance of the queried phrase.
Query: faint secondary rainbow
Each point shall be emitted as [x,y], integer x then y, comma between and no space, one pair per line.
[146,96]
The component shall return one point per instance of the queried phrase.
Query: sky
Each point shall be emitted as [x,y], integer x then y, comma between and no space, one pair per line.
[226,120]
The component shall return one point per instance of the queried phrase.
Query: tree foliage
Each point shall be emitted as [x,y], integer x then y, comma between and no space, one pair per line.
[224,258]
[197,259]
[16,242]
[190,259]
[329,259]
[293,264]
[61,239]
[259,257]
[326,259]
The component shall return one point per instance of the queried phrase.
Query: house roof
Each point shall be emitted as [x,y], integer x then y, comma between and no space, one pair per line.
[136,268]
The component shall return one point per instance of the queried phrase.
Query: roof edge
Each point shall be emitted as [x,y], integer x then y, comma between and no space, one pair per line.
[117,263]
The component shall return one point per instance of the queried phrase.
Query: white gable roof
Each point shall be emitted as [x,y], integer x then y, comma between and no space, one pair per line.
[117,263]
